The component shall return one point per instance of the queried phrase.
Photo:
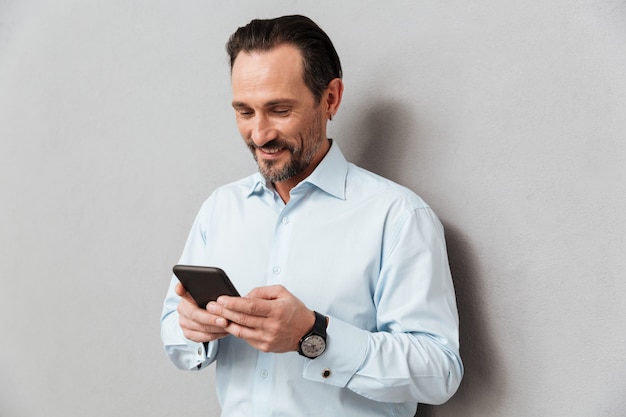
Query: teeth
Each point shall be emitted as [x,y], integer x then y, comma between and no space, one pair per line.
[270,151]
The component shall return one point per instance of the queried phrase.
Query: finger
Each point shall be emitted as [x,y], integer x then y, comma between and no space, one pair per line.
[270,292]
[260,339]
[188,308]
[180,290]
[207,329]
[242,332]
[249,306]
[199,325]
[190,313]
[202,337]
[250,313]
[207,323]
[184,294]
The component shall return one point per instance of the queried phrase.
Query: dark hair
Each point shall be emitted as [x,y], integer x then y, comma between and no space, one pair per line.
[319,57]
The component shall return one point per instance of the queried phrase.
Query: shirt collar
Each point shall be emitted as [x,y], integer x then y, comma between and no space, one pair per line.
[329,176]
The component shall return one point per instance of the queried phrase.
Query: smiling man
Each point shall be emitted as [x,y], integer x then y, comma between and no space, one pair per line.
[283,124]
[349,307]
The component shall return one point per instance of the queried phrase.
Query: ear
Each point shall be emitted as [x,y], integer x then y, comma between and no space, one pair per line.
[332,97]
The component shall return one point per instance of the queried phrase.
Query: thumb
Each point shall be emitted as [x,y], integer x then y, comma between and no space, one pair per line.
[270,292]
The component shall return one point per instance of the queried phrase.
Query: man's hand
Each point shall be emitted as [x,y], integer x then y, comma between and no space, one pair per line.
[197,323]
[270,319]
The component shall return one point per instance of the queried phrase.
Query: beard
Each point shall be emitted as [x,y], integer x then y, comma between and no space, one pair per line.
[302,150]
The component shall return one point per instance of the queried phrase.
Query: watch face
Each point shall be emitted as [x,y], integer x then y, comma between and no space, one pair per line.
[313,346]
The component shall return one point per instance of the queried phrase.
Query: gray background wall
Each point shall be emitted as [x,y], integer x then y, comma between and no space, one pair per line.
[507,116]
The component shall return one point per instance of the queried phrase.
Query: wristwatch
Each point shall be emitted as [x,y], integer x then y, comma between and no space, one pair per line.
[313,344]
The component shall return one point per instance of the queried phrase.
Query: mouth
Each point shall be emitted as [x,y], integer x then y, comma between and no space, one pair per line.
[271,150]
[270,153]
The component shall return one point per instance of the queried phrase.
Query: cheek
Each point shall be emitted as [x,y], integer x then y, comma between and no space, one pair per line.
[294,129]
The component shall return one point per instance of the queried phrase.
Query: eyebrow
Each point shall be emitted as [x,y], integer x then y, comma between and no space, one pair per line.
[271,103]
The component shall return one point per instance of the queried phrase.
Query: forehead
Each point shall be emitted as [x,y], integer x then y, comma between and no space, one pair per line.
[266,75]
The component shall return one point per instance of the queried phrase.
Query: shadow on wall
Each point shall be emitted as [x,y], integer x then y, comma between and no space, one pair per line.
[382,138]
[385,138]
[481,387]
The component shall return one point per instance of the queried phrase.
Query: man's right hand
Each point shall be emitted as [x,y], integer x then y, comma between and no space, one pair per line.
[197,323]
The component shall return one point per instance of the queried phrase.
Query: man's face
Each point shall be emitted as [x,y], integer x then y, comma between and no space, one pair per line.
[276,113]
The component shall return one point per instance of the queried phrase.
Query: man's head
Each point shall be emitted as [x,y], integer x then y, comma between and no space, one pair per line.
[320,60]
[279,114]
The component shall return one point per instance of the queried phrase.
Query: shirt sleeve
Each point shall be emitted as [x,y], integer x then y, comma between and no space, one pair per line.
[413,355]
[184,353]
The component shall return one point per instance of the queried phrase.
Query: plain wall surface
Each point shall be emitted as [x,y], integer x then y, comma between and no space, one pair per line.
[508,117]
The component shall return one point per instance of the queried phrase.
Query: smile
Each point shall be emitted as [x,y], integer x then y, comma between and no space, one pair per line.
[271,150]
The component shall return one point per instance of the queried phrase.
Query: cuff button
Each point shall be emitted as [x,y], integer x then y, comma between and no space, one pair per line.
[326,373]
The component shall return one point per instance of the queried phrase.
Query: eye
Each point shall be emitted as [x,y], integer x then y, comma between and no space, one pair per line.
[244,112]
[281,111]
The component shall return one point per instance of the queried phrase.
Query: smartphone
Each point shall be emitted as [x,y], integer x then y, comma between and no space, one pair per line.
[204,283]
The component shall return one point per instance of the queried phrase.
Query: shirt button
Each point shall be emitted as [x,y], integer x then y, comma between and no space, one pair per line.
[264,373]
[285,220]
[276,270]
[199,351]
[326,373]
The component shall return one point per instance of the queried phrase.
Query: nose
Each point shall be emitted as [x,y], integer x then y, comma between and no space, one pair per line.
[262,130]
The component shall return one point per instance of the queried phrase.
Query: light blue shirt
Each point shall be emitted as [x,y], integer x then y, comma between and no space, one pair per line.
[366,252]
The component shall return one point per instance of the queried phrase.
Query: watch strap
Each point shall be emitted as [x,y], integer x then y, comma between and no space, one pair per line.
[319,327]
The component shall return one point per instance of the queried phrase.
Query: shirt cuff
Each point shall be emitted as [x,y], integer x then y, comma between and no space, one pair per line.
[346,348]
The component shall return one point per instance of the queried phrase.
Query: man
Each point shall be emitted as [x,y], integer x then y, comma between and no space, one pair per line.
[349,307]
